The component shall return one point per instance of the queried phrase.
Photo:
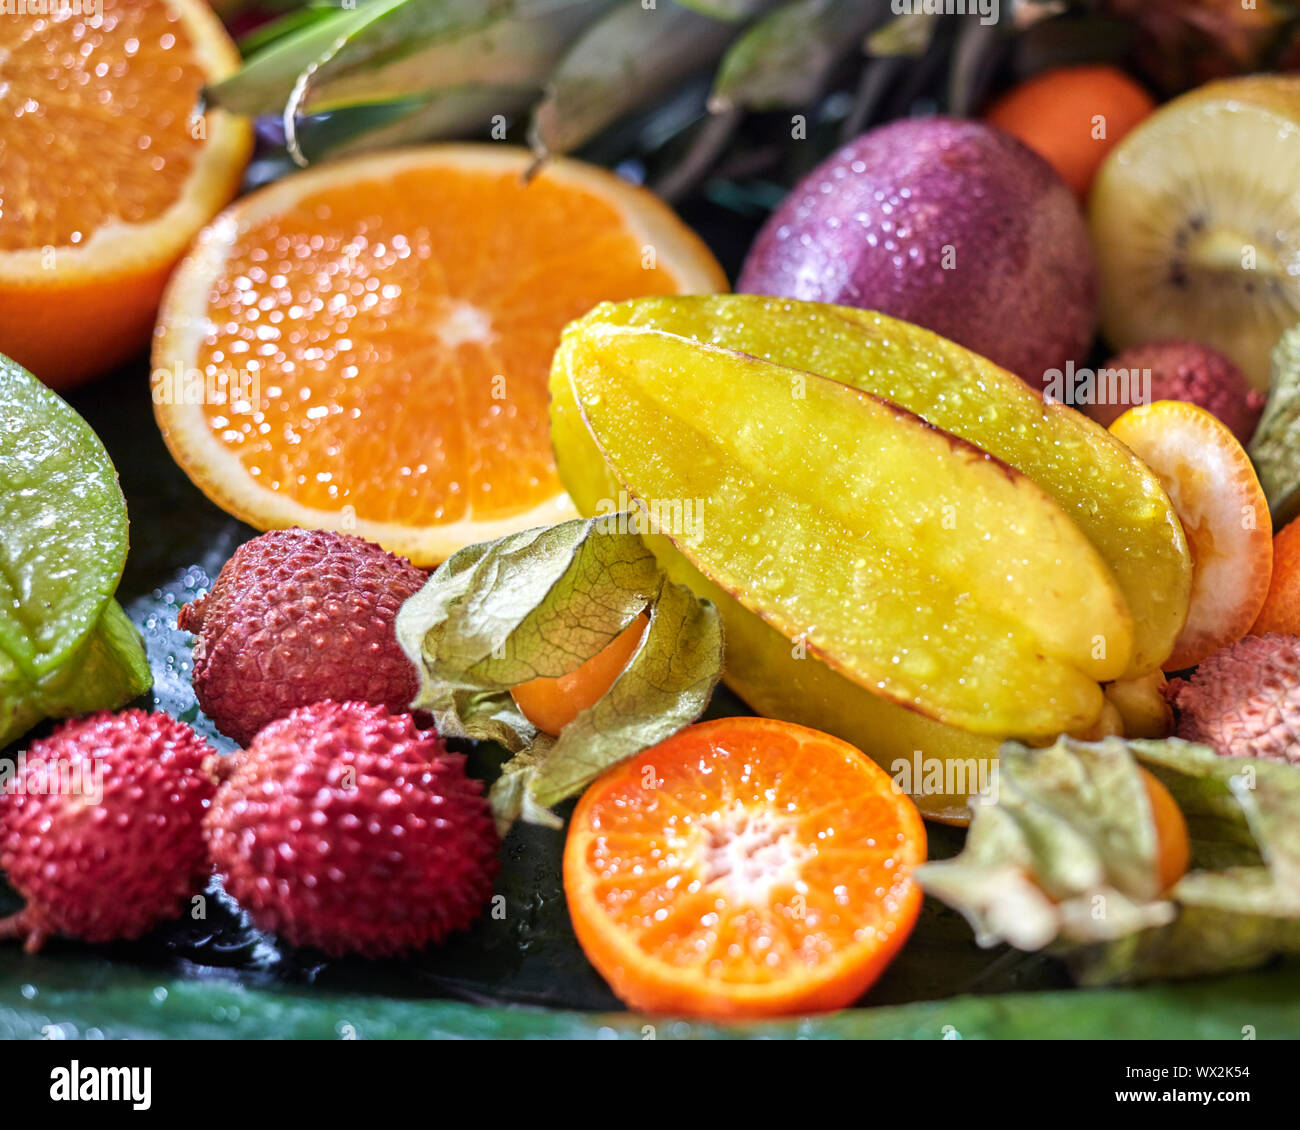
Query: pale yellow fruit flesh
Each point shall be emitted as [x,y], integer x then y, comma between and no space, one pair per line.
[1110,494]
[1142,706]
[941,766]
[908,560]
[1196,222]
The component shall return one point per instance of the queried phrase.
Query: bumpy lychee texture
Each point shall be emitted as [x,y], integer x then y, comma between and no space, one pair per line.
[101,827]
[1244,700]
[295,617]
[347,828]
[1187,370]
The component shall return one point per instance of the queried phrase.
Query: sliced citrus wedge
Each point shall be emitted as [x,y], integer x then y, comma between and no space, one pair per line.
[370,341]
[109,170]
[744,868]
[1209,479]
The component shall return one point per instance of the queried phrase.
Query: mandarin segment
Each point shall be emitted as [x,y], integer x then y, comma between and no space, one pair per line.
[744,868]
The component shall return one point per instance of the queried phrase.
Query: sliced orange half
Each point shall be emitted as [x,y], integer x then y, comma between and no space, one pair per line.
[368,343]
[107,172]
[744,868]
[1217,497]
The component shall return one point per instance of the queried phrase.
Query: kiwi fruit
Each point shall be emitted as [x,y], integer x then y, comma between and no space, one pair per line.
[1195,221]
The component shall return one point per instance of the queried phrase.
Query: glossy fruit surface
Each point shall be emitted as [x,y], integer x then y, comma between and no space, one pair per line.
[907,559]
[109,172]
[297,616]
[952,225]
[376,335]
[101,827]
[1173,846]
[550,704]
[1110,495]
[743,868]
[1281,611]
[1072,117]
[1190,246]
[346,828]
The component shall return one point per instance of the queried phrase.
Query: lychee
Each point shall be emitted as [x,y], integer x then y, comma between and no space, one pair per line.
[1186,370]
[101,827]
[345,827]
[297,616]
[1244,700]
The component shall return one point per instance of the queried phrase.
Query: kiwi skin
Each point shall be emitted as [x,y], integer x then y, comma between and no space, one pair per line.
[952,225]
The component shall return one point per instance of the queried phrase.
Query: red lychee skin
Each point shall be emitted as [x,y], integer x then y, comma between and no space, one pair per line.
[346,828]
[1244,700]
[295,617]
[1188,370]
[113,870]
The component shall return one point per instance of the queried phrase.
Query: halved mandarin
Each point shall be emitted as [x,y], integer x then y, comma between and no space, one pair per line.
[744,868]
[368,343]
[108,169]
[1217,497]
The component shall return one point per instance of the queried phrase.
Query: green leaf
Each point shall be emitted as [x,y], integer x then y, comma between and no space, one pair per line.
[396,50]
[628,59]
[1275,448]
[77,995]
[1065,857]
[540,604]
[454,112]
[107,672]
[787,57]
[502,43]
[62,525]
[732,11]
[265,82]
[907,36]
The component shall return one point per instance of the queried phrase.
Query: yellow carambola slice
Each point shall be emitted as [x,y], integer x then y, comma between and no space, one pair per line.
[1113,498]
[904,558]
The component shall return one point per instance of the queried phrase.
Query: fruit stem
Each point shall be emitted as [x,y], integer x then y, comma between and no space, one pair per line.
[27,926]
